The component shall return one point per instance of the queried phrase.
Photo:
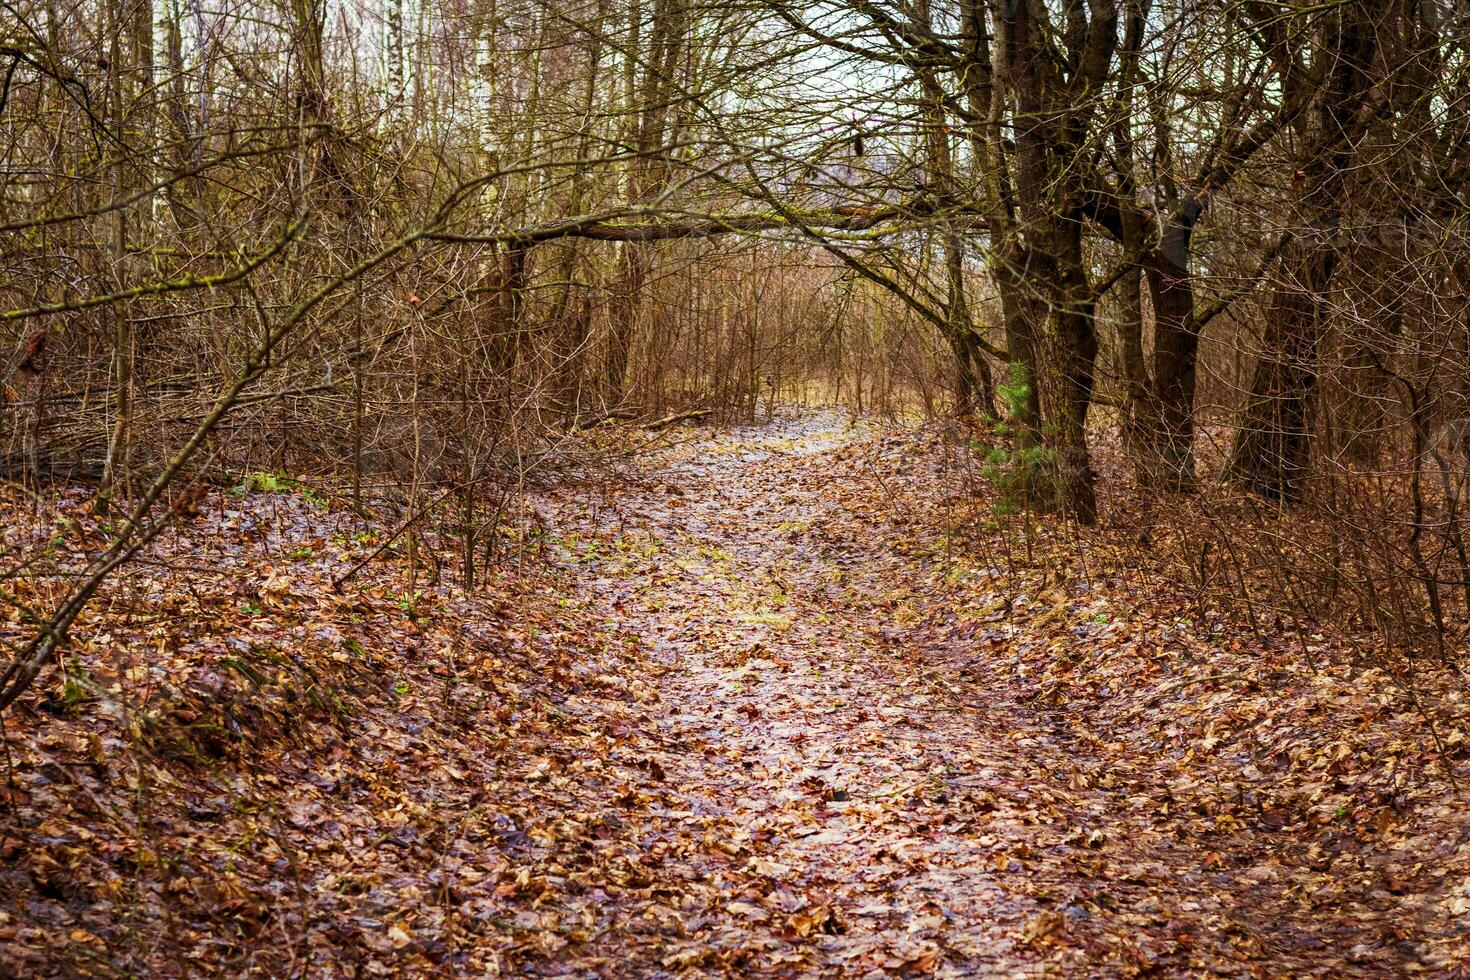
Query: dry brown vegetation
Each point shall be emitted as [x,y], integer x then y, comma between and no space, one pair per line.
[332,333]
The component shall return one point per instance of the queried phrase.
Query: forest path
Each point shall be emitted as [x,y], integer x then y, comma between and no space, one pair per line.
[786,701]
[863,809]
[850,770]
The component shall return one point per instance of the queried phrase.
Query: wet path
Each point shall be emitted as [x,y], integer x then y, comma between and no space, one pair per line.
[856,768]
[863,791]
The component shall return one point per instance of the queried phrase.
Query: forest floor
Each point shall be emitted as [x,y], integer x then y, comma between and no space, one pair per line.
[784,701]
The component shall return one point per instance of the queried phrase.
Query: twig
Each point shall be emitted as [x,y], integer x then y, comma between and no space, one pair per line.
[340,580]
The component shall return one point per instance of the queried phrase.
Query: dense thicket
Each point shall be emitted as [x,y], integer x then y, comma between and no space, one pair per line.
[410,246]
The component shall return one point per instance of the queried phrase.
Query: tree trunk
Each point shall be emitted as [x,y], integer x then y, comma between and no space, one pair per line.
[1077,354]
[974,388]
[636,263]
[1272,450]
[1168,430]
[1132,370]
[647,174]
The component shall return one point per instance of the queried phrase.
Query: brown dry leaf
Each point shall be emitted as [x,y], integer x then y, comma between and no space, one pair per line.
[1041,925]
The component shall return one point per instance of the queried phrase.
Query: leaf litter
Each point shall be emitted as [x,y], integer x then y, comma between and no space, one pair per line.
[786,702]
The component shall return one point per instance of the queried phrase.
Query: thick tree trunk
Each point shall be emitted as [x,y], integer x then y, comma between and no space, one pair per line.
[1169,425]
[1023,400]
[1272,450]
[1077,353]
[1051,125]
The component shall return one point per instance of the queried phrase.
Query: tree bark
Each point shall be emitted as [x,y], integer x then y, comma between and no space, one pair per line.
[1272,449]
[1168,430]
[1271,454]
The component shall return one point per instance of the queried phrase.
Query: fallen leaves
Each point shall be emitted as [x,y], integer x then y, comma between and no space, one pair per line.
[806,721]
[816,920]
[1042,925]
